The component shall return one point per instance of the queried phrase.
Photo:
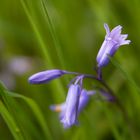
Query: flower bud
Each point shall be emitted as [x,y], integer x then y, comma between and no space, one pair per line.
[45,76]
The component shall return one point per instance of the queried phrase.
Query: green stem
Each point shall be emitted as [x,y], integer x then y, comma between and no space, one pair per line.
[34,26]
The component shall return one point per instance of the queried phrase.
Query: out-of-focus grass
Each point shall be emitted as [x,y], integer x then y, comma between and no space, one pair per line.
[67,35]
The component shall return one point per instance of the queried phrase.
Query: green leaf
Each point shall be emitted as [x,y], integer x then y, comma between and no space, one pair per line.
[37,113]
[10,122]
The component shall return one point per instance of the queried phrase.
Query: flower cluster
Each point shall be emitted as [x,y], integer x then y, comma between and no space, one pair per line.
[78,97]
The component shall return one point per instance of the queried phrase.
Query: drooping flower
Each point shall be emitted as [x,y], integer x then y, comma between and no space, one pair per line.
[84,98]
[83,101]
[46,76]
[69,116]
[113,40]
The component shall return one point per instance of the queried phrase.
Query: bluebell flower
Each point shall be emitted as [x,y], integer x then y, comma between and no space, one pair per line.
[46,76]
[70,113]
[113,40]
[83,100]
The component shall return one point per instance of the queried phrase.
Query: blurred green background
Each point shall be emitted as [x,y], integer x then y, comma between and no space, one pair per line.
[36,35]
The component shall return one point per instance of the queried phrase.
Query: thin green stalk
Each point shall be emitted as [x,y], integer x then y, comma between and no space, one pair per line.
[9,107]
[52,31]
[14,129]
[38,114]
[38,35]
[45,53]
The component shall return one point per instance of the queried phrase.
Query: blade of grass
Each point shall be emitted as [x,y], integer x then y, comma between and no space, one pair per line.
[9,111]
[14,129]
[36,110]
[16,112]
[38,35]
[34,107]
[45,53]
[52,31]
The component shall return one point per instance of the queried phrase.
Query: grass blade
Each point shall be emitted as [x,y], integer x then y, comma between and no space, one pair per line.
[36,110]
[10,122]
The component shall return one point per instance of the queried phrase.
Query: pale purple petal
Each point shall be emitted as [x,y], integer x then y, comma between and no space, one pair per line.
[116,32]
[84,98]
[124,36]
[125,42]
[107,28]
[101,51]
[110,49]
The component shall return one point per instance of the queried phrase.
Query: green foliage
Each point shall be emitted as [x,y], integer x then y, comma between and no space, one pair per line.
[67,35]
